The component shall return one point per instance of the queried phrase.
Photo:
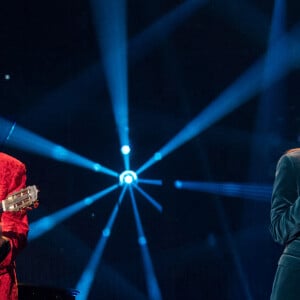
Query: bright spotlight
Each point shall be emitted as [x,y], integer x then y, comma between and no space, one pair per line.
[178,184]
[142,240]
[157,156]
[125,149]
[127,177]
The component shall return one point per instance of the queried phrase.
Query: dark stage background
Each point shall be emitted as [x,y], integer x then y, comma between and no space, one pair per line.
[203,246]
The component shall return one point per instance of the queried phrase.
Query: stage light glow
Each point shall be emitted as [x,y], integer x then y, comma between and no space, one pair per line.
[120,110]
[155,158]
[149,198]
[110,24]
[272,100]
[85,282]
[241,91]
[150,181]
[127,177]
[152,284]
[278,21]
[178,184]
[142,240]
[125,149]
[257,192]
[43,225]
[21,138]
[92,76]
[106,232]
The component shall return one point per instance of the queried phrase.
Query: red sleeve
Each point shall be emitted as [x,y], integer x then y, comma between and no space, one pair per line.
[14,224]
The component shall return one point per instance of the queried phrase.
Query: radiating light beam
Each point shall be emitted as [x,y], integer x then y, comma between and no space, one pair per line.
[126,159]
[257,192]
[149,198]
[110,24]
[24,139]
[85,282]
[152,284]
[154,34]
[86,82]
[43,225]
[272,100]
[155,158]
[273,59]
[241,91]
[278,20]
[151,181]
[92,77]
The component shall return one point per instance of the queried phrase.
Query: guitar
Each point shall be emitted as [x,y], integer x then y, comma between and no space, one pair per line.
[26,198]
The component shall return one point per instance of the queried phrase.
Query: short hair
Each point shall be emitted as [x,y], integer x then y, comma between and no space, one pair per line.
[292,150]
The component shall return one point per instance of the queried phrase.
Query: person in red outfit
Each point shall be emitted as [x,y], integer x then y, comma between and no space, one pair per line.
[13,225]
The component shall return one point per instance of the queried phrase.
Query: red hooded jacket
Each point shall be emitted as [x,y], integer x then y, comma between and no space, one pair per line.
[14,224]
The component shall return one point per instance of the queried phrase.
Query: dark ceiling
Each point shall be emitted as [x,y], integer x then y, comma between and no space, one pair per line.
[57,90]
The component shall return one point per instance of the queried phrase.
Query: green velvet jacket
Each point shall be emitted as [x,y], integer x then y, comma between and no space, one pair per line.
[285,207]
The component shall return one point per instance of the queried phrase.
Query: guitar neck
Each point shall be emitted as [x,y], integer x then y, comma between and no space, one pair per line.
[19,200]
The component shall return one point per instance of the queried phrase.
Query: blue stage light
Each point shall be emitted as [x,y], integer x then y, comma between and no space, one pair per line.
[59,153]
[85,282]
[150,181]
[257,192]
[119,95]
[149,198]
[18,137]
[272,100]
[43,225]
[155,158]
[127,177]
[178,184]
[241,91]
[106,232]
[142,240]
[152,284]
[110,24]
[125,149]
